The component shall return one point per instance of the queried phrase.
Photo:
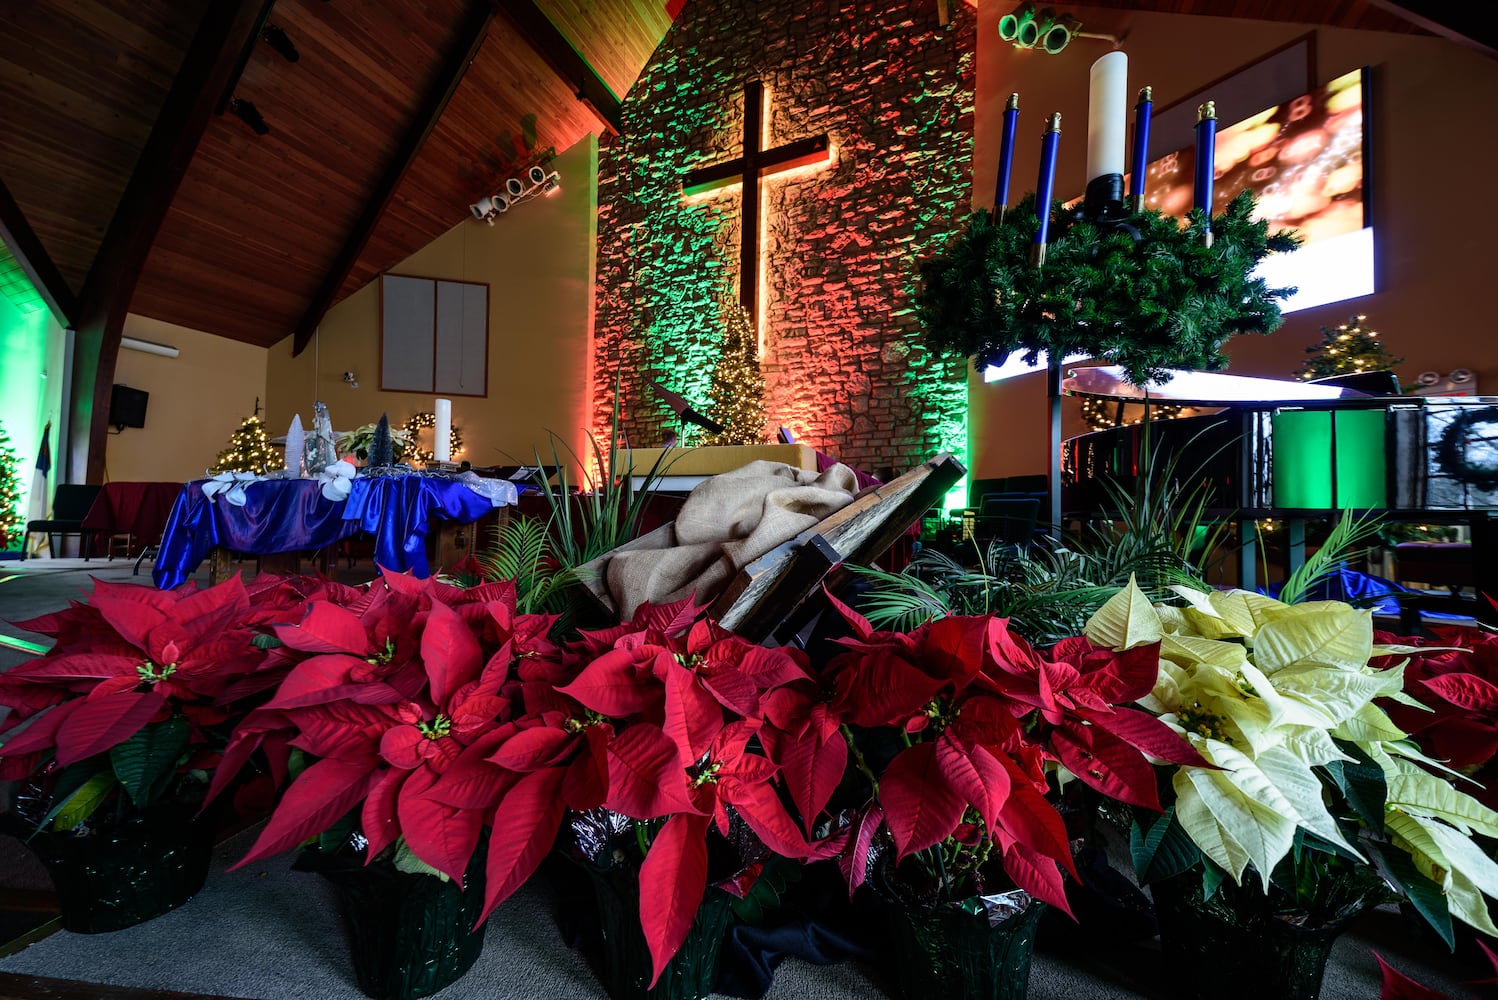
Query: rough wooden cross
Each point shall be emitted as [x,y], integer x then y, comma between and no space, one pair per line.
[751,166]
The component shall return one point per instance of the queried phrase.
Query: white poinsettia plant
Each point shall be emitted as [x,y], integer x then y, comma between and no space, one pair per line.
[1281,698]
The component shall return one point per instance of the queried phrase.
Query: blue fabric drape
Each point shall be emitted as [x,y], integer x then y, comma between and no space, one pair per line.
[292,515]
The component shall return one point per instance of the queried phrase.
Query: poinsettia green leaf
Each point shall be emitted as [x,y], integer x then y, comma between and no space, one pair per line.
[1427,897]
[145,762]
[1322,634]
[82,802]
[1127,619]
[1361,783]
[1162,849]
[1212,878]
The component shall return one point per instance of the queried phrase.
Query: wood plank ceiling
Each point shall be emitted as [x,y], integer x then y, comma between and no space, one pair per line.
[267,230]
[260,222]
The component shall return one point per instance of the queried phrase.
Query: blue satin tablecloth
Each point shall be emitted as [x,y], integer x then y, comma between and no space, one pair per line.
[292,515]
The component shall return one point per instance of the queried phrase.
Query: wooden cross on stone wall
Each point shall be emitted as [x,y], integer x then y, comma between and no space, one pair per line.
[749,168]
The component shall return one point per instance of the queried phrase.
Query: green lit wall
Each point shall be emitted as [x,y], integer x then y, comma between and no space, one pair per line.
[845,364]
[30,347]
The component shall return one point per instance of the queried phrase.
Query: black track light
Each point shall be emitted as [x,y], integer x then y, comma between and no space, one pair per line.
[250,115]
[280,42]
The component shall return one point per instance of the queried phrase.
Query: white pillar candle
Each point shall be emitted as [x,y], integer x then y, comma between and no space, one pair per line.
[442,431]
[1107,115]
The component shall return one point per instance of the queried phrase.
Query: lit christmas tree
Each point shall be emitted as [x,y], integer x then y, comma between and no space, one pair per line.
[249,449]
[1351,347]
[12,517]
[738,387]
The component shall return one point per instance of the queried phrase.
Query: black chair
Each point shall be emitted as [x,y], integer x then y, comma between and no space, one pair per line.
[1008,520]
[70,505]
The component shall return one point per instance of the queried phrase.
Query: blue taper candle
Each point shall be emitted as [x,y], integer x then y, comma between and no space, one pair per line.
[1206,149]
[1045,185]
[1141,147]
[1006,156]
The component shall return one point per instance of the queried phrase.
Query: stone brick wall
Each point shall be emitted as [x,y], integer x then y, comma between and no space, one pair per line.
[844,361]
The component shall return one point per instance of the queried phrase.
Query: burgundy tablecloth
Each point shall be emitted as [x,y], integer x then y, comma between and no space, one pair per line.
[138,509]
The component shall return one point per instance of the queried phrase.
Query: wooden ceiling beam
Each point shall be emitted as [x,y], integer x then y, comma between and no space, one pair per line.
[209,68]
[1467,24]
[465,49]
[532,23]
[40,270]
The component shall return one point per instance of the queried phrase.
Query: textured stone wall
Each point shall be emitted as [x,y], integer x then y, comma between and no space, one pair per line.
[844,361]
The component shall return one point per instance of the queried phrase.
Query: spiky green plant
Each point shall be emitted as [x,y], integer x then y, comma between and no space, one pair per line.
[521,550]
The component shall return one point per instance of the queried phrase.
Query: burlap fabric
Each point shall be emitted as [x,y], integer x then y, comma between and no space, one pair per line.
[728,521]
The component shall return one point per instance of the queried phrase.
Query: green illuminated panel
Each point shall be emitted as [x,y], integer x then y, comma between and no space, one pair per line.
[1327,465]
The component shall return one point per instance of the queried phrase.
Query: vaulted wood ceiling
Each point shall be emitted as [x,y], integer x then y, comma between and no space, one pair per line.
[396,115]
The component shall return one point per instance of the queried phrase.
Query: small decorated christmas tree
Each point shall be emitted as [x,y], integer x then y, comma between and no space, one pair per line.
[1351,347]
[249,449]
[12,517]
[738,387]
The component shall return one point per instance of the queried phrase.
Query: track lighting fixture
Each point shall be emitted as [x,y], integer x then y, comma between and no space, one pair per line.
[539,179]
[280,42]
[1028,28]
[246,112]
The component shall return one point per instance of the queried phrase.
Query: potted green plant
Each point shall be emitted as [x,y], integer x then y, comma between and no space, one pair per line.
[1307,779]
[398,692]
[954,727]
[116,732]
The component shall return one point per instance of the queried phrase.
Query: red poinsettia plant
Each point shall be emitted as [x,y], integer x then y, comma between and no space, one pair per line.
[954,726]
[690,753]
[400,692]
[1456,685]
[140,690]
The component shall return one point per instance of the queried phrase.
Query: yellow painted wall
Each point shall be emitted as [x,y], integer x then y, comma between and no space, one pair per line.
[1430,156]
[538,261]
[197,400]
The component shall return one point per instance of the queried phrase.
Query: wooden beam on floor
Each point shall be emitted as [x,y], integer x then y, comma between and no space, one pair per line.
[213,57]
[465,49]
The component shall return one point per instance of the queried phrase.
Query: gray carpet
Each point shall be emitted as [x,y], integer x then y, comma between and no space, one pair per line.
[268,932]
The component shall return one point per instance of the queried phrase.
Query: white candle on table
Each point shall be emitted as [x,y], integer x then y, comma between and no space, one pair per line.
[1107,115]
[442,431]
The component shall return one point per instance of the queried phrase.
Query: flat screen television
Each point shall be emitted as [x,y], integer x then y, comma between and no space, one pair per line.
[127,406]
[1307,160]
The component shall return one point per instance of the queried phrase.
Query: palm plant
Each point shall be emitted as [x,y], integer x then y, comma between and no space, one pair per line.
[603,509]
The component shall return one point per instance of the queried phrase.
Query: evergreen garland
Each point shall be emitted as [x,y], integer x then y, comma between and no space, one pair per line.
[1165,300]
[12,517]
[249,450]
[738,387]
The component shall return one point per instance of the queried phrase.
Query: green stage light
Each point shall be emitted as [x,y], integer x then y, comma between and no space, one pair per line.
[1012,23]
[1062,31]
[1035,29]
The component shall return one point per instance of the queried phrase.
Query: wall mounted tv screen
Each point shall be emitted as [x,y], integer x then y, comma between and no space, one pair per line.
[1306,159]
